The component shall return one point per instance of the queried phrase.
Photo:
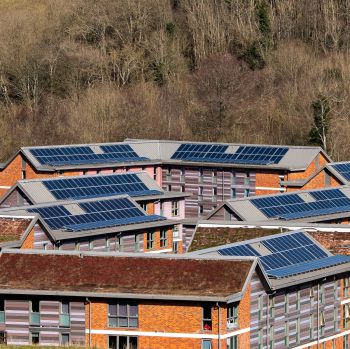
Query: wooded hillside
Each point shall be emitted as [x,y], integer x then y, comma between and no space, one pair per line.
[253,71]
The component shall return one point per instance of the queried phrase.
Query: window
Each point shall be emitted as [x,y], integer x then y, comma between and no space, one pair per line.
[206,344]
[207,322]
[200,175]
[260,307]
[322,322]
[137,243]
[246,193]
[333,343]
[272,306]
[346,309]
[168,187]
[65,314]
[2,311]
[176,247]
[200,193]
[233,193]
[34,313]
[347,286]
[122,314]
[176,232]
[286,334]
[232,315]
[155,173]
[200,210]
[161,208]
[247,179]
[120,243]
[65,339]
[182,175]
[163,238]
[143,206]
[3,339]
[260,339]
[168,174]
[271,335]
[311,328]
[175,208]
[346,342]
[297,303]
[182,189]
[335,319]
[214,176]
[233,178]
[322,294]
[215,193]
[122,342]
[34,338]
[77,246]
[327,179]
[286,303]
[232,343]
[150,240]
[298,330]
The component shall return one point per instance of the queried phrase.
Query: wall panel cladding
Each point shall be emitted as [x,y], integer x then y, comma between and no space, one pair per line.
[15,199]
[187,234]
[17,321]
[216,186]
[77,323]
[295,308]
[49,313]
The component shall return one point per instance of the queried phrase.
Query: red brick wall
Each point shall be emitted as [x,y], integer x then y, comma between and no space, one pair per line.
[28,243]
[267,179]
[10,174]
[335,242]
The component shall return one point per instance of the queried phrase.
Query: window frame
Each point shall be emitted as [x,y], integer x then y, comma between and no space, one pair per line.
[207,321]
[164,237]
[175,208]
[150,240]
[232,315]
[118,316]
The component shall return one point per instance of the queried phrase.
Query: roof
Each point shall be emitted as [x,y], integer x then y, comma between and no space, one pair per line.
[13,228]
[341,170]
[306,205]
[139,276]
[334,237]
[287,258]
[71,219]
[138,185]
[142,152]
[208,236]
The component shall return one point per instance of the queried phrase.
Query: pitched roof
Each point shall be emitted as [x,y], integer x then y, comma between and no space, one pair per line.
[287,258]
[305,205]
[341,171]
[126,276]
[138,185]
[154,152]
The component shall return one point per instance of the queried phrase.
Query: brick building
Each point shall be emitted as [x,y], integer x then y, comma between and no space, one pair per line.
[329,205]
[211,172]
[138,185]
[114,223]
[204,300]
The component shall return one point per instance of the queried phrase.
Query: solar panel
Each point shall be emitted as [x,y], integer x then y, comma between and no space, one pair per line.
[292,206]
[97,214]
[310,266]
[217,153]
[243,250]
[343,169]
[98,186]
[85,155]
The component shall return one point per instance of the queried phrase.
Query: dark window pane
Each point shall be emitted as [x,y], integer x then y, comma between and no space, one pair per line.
[133,310]
[123,342]
[132,342]
[123,322]
[112,309]
[133,322]
[112,322]
[122,310]
[112,342]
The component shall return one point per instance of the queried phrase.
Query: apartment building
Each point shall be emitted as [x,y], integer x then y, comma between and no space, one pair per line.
[138,185]
[211,172]
[329,205]
[296,300]
[207,299]
[113,223]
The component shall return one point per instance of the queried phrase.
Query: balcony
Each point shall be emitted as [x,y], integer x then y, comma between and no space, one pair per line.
[34,319]
[64,320]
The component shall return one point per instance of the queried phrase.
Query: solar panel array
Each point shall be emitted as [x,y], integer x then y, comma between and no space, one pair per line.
[292,206]
[85,155]
[343,169]
[217,153]
[98,186]
[290,254]
[97,214]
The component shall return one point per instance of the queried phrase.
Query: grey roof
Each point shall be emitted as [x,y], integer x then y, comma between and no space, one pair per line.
[276,284]
[247,211]
[72,206]
[38,193]
[336,173]
[160,151]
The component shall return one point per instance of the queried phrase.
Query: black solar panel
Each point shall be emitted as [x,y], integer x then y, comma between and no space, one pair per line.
[218,153]
[286,250]
[292,206]
[97,214]
[98,186]
[343,169]
[85,155]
